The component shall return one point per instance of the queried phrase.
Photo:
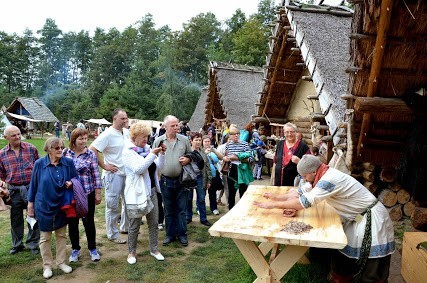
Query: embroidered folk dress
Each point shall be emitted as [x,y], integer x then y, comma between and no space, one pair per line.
[350,199]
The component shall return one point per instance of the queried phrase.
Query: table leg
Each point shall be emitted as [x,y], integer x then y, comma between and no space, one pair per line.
[257,261]
[286,259]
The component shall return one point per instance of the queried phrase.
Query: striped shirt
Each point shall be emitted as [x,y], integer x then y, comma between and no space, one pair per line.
[87,167]
[235,148]
[16,170]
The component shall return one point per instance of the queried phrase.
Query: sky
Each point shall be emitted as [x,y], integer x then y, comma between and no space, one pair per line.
[77,15]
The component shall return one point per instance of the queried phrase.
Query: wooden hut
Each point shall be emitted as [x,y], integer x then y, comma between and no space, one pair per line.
[30,113]
[369,78]
[232,94]
[386,102]
[197,120]
[304,76]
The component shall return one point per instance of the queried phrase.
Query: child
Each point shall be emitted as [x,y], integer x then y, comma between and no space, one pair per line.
[261,160]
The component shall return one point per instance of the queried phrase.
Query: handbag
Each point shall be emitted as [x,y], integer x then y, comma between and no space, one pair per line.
[80,197]
[225,168]
[137,202]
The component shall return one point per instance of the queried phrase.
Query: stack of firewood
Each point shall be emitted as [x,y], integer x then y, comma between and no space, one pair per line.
[381,182]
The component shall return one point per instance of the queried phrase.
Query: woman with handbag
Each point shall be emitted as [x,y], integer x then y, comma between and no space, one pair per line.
[50,182]
[233,148]
[86,163]
[142,184]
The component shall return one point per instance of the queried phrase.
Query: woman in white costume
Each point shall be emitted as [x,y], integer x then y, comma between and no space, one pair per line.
[366,258]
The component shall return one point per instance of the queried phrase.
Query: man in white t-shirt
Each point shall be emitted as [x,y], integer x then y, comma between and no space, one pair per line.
[110,143]
[80,125]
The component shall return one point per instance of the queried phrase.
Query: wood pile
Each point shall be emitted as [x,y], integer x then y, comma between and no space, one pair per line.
[381,182]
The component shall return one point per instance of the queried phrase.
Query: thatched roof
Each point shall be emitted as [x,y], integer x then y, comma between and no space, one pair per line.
[197,120]
[315,39]
[233,92]
[388,64]
[31,107]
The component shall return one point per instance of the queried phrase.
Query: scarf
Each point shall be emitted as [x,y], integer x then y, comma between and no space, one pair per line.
[319,173]
[143,151]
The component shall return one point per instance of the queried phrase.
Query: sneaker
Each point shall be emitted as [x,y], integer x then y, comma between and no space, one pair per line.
[158,256]
[118,241]
[131,259]
[94,255]
[65,268]
[74,257]
[216,212]
[160,226]
[47,273]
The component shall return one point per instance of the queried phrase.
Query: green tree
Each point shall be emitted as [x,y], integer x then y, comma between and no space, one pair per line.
[250,44]
[192,45]
[266,11]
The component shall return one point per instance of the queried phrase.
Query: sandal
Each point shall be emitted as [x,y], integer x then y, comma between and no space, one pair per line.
[118,241]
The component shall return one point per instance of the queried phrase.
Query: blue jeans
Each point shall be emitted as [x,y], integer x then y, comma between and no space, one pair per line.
[200,201]
[174,201]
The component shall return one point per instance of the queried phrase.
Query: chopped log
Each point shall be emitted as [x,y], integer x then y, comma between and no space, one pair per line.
[371,186]
[419,218]
[387,175]
[395,187]
[395,212]
[408,208]
[368,166]
[368,176]
[382,105]
[403,196]
[388,198]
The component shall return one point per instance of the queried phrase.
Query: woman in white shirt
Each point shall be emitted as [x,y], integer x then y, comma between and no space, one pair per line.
[142,184]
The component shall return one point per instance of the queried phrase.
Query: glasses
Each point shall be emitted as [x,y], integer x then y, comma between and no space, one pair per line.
[58,148]
[289,132]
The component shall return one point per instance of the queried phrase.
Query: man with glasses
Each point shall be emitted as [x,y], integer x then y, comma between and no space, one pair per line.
[16,165]
[288,154]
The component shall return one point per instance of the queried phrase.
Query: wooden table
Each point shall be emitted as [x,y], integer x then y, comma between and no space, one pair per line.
[248,224]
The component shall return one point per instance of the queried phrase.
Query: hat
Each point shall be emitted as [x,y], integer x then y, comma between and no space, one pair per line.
[308,164]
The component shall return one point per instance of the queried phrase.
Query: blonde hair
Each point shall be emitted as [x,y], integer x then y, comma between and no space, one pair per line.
[52,142]
[139,128]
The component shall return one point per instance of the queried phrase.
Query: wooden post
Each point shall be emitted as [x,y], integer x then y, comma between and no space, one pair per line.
[395,212]
[388,198]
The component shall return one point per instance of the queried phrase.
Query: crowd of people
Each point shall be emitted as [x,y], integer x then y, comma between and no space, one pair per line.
[155,174]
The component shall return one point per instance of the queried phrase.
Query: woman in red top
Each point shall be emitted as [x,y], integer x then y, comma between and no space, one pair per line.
[288,154]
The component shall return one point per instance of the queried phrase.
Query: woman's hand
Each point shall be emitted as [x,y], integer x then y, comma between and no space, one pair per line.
[157,150]
[268,195]
[267,205]
[68,184]
[295,159]
[30,209]
[98,196]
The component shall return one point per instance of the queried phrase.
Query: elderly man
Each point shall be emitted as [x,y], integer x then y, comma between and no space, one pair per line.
[110,143]
[16,165]
[366,222]
[173,193]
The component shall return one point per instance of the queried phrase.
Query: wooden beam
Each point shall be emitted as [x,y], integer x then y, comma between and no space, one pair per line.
[382,105]
[273,79]
[307,78]
[285,83]
[377,60]
[387,143]
[320,11]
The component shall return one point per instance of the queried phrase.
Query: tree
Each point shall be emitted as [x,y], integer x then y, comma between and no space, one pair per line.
[192,45]
[51,62]
[250,44]
[266,11]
